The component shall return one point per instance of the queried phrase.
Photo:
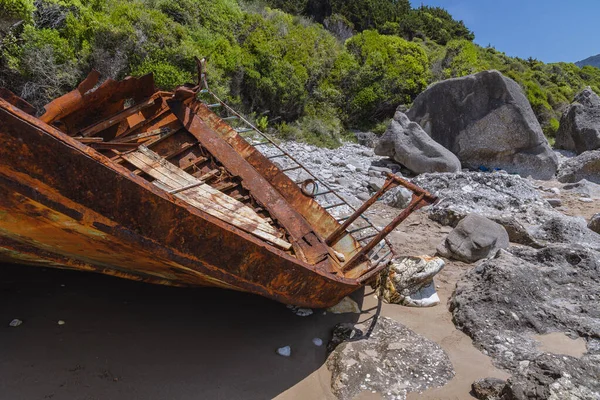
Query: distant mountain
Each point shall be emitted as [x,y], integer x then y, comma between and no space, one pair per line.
[594,61]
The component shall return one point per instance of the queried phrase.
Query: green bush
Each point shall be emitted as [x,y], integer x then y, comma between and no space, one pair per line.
[166,76]
[15,10]
[283,62]
[377,73]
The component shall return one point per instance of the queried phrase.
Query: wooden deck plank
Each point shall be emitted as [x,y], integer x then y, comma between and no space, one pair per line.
[174,172]
[206,204]
[248,227]
[170,179]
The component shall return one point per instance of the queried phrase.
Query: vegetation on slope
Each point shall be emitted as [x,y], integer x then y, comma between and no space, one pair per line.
[311,68]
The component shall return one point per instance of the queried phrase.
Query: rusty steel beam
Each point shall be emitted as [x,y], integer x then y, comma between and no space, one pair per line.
[16,101]
[413,206]
[341,230]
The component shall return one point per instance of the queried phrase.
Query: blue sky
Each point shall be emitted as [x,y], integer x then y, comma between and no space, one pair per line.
[549,30]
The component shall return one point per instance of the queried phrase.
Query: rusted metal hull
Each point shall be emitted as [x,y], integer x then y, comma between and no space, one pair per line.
[154,186]
[63,205]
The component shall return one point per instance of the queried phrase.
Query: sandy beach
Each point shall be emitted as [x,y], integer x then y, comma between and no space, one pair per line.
[129,340]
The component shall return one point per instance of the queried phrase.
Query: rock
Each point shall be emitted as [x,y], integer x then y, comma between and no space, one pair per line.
[486,121]
[504,301]
[61,322]
[409,145]
[376,183]
[595,223]
[380,170]
[387,358]
[15,322]
[301,312]
[317,342]
[584,188]
[347,305]
[555,377]
[508,200]
[398,197]
[580,125]
[367,139]
[363,196]
[285,351]
[330,166]
[474,238]
[584,166]
[488,388]
[409,281]
[554,202]
[559,228]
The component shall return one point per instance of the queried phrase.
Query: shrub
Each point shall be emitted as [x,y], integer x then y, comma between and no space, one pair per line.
[166,75]
[378,73]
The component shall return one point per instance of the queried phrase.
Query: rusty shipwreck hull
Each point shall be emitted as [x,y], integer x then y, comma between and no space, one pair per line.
[153,186]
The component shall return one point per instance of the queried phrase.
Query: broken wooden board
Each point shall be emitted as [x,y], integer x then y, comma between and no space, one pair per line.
[202,196]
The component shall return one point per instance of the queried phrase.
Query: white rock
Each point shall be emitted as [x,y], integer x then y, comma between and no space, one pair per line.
[301,312]
[285,351]
[424,297]
[15,322]
[317,342]
[347,305]
[61,322]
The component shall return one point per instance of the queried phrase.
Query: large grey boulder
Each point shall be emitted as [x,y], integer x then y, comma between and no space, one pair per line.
[505,301]
[473,239]
[408,144]
[580,125]
[486,121]
[584,166]
[387,358]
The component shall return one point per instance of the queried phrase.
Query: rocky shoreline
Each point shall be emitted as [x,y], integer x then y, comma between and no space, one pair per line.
[522,216]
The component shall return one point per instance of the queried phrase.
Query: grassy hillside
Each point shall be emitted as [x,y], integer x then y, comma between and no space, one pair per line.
[312,69]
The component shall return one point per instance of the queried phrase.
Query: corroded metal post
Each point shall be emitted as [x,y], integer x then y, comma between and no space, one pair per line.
[341,230]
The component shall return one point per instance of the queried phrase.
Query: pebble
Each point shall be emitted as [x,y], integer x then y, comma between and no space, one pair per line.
[285,351]
[301,312]
[15,322]
[585,200]
[317,342]
[554,202]
[61,322]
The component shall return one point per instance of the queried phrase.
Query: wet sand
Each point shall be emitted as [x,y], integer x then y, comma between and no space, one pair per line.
[560,343]
[129,340]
